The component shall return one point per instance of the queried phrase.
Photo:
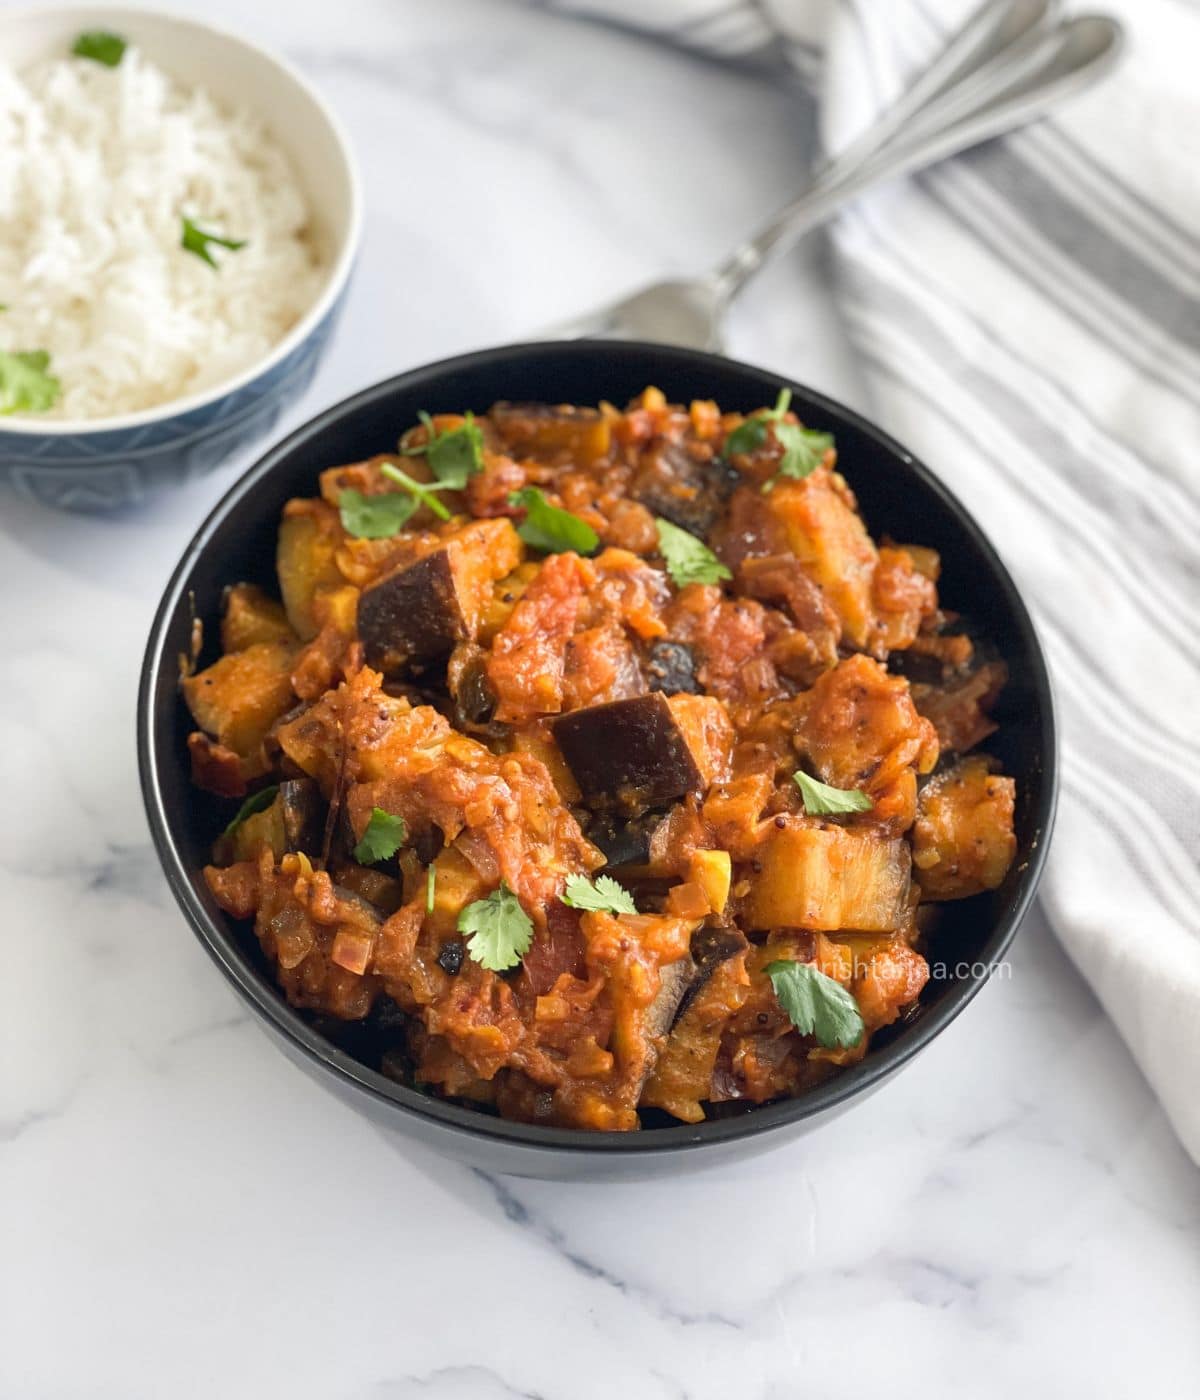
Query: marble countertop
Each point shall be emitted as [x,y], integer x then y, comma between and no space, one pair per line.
[185,1214]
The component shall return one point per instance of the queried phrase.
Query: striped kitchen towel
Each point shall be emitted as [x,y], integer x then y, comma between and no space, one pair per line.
[1028,315]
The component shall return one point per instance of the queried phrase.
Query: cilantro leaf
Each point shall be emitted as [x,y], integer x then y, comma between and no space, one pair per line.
[803,448]
[374,517]
[453,456]
[688,559]
[803,451]
[746,437]
[256,802]
[430,888]
[25,385]
[501,931]
[750,435]
[195,240]
[550,529]
[816,1004]
[384,836]
[821,800]
[422,492]
[603,895]
[100,46]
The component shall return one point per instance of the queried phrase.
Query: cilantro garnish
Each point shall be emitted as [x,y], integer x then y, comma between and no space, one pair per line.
[384,836]
[550,529]
[375,517]
[454,455]
[603,895]
[195,240]
[688,559]
[256,802]
[816,1004]
[803,448]
[100,46]
[821,800]
[25,385]
[421,491]
[500,930]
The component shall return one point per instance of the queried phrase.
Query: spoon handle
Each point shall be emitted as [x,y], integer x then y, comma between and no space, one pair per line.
[964,100]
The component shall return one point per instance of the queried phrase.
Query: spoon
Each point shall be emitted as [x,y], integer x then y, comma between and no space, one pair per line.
[1008,65]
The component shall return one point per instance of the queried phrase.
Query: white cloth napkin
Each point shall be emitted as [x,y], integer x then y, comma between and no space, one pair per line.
[1029,318]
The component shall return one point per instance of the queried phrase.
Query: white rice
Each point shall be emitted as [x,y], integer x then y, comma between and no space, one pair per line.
[97,167]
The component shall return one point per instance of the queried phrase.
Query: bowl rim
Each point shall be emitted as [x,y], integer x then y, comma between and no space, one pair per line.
[340,267]
[535,1138]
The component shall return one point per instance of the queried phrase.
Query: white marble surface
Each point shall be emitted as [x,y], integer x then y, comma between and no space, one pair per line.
[185,1214]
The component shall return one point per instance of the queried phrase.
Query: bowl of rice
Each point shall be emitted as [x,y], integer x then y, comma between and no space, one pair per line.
[179,217]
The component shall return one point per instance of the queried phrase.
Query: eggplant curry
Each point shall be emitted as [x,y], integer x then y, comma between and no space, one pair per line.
[597,765]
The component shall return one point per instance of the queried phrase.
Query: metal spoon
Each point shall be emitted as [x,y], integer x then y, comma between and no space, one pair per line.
[1007,66]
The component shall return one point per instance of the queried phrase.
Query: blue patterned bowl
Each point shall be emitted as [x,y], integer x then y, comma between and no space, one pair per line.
[108,463]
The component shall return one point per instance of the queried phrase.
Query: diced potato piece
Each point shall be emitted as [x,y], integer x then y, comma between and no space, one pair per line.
[705,725]
[239,697]
[506,593]
[925,560]
[963,840]
[829,878]
[537,740]
[305,562]
[251,616]
[832,544]
[456,884]
[712,871]
[888,974]
[262,831]
[337,608]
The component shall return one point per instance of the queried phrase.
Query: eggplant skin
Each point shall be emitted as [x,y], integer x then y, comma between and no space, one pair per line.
[624,840]
[412,614]
[689,493]
[303,814]
[671,668]
[712,944]
[676,981]
[630,754]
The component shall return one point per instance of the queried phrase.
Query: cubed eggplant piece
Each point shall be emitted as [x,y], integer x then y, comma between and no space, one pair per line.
[688,493]
[671,668]
[674,982]
[303,815]
[716,943]
[474,698]
[712,945]
[553,431]
[412,614]
[624,840]
[628,754]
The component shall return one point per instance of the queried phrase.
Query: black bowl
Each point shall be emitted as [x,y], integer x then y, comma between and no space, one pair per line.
[898,496]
